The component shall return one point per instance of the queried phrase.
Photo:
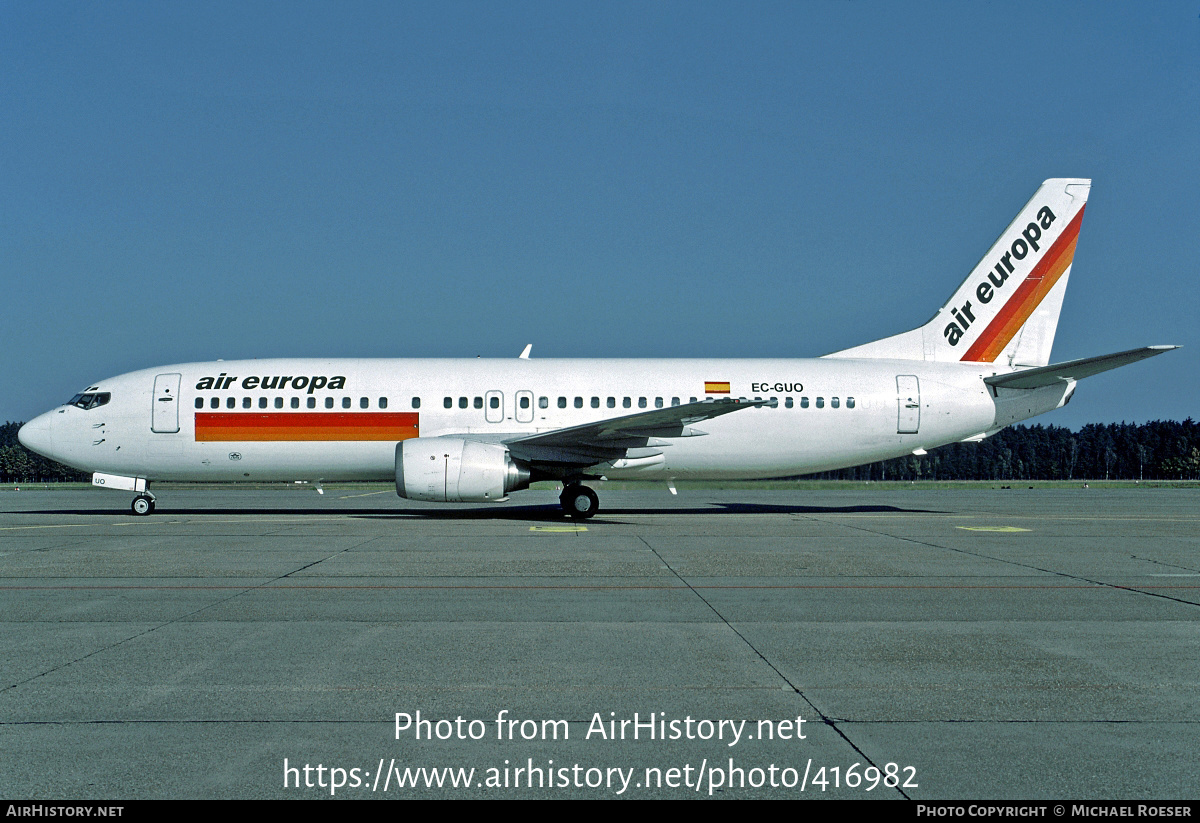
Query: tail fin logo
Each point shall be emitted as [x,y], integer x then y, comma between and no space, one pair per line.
[998,275]
[1007,307]
[1028,295]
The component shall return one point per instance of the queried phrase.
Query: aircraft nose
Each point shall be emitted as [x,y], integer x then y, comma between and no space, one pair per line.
[37,435]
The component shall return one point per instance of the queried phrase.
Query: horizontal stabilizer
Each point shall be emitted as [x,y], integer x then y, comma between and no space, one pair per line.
[1072,369]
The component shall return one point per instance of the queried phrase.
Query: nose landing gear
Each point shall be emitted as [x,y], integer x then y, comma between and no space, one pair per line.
[143,504]
[579,502]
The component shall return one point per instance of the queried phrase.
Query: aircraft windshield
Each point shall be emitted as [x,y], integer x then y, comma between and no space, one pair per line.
[91,400]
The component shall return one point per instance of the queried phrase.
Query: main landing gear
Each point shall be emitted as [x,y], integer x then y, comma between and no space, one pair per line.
[579,501]
[143,504]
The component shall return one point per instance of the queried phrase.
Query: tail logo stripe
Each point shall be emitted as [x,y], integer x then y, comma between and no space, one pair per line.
[1027,297]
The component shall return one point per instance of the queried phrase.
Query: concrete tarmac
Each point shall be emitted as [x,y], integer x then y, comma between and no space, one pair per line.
[974,644]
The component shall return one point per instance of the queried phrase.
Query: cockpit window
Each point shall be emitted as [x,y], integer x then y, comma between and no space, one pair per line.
[91,400]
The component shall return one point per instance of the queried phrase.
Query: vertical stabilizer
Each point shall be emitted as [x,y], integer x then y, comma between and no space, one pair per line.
[1006,311]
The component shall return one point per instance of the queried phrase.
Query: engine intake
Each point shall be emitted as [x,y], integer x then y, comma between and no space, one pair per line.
[454,470]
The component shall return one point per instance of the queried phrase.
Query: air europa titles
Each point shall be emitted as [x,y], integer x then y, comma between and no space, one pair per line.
[984,292]
[224,381]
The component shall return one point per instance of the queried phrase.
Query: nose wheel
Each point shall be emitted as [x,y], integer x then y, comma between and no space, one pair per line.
[142,505]
[579,502]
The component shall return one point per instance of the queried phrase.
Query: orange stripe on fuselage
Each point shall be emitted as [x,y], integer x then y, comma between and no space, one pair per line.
[1027,297]
[229,427]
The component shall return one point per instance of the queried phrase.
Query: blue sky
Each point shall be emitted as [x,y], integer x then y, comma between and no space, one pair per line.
[224,180]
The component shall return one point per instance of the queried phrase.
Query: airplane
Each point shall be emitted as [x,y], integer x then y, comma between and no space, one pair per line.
[476,430]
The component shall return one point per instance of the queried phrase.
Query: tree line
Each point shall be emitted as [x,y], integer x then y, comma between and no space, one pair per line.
[1159,450]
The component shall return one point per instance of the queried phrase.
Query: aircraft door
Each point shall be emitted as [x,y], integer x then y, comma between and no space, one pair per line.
[164,414]
[493,405]
[524,402]
[908,401]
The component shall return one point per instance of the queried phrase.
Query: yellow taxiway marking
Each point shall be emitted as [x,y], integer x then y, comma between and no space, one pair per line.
[992,528]
[558,528]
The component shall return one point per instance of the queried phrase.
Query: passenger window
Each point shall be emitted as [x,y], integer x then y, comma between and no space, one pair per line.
[820,402]
[579,402]
[199,403]
[849,402]
[279,402]
[595,402]
[835,402]
[804,402]
[523,402]
[462,402]
[312,402]
[611,403]
[295,402]
[329,402]
[215,403]
[448,402]
[691,400]
[562,402]
[383,402]
[494,402]
[246,401]
[543,402]
[658,404]
[626,402]
[345,402]
[674,401]
[774,403]
[364,403]
[262,402]
[416,402]
[787,402]
[641,402]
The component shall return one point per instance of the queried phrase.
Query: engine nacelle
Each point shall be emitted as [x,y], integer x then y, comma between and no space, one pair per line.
[453,470]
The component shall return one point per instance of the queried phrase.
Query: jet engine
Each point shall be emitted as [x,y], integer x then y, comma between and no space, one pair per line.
[454,470]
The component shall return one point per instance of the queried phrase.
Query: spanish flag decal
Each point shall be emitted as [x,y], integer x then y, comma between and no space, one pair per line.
[235,427]
[716,387]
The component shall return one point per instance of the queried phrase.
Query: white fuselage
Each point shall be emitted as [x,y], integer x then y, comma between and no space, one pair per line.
[233,421]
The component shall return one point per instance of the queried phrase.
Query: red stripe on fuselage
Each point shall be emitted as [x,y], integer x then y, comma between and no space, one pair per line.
[305,426]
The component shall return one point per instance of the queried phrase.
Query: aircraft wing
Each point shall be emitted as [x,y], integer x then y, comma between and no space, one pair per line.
[1072,369]
[613,438]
